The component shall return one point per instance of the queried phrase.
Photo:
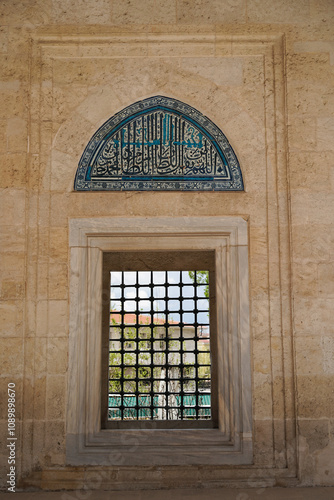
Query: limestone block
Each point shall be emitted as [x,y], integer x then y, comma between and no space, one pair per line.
[58,314]
[316,47]
[263,442]
[34,138]
[12,207]
[17,131]
[60,207]
[18,37]
[261,357]
[35,356]
[251,99]
[281,11]
[4,39]
[326,279]
[14,170]
[327,345]
[310,170]
[14,71]
[136,474]
[11,357]
[39,390]
[260,319]
[27,446]
[28,400]
[58,281]
[147,12]
[38,443]
[63,168]
[310,355]
[221,71]
[325,133]
[315,242]
[313,208]
[315,396]
[173,49]
[54,443]
[280,412]
[11,318]
[95,478]
[3,136]
[12,240]
[258,244]
[302,133]
[324,466]
[305,278]
[42,318]
[12,289]
[73,137]
[42,281]
[250,134]
[312,99]
[43,210]
[258,281]
[30,325]
[310,68]
[59,244]
[26,13]
[80,73]
[262,395]
[33,171]
[12,99]
[95,106]
[55,397]
[81,12]
[321,11]
[169,477]
[12,269]
[316,433]
[57,353]
[66,98]
[200,12]
[313,315]
[72,478]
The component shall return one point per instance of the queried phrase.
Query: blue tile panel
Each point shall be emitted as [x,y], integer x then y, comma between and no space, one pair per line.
[159,144]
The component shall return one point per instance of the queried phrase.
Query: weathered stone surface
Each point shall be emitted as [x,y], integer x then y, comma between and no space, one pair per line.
[263,72]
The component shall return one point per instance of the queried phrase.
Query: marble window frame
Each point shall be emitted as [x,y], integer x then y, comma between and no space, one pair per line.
[86,442]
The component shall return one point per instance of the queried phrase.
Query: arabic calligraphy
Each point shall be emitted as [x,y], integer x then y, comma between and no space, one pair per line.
[157,144]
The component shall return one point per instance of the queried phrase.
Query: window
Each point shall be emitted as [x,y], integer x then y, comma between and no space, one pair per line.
[156,356]
[96,244]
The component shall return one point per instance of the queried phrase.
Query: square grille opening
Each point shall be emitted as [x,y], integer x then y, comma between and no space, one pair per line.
[159,346]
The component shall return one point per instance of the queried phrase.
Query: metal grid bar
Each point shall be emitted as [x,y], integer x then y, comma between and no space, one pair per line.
[158,356]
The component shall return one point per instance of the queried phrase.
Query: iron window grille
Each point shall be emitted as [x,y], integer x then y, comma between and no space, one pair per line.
[159,352]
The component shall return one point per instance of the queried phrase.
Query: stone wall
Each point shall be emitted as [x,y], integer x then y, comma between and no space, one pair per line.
[262,72]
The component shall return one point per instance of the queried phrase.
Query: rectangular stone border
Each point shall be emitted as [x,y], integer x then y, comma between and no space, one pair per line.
[86,442]
[49,45]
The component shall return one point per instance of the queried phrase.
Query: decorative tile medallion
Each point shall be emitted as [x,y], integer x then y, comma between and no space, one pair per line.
[159,144]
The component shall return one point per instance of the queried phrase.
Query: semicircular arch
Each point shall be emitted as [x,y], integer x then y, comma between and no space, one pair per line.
[158,143]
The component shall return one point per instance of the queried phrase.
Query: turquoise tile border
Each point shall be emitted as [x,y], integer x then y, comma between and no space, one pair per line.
[159,144]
